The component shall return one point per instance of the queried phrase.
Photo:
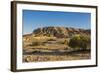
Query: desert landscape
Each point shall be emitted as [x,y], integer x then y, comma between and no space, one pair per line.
[56,44]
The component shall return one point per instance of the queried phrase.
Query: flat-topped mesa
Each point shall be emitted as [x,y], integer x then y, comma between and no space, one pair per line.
[59,32]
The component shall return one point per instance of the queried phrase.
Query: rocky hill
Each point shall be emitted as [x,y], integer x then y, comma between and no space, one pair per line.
[59,32]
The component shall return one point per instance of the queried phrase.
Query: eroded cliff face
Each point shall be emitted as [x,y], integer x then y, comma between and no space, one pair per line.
[59,32]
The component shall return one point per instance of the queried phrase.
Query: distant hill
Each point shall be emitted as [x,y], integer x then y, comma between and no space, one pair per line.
[59,32]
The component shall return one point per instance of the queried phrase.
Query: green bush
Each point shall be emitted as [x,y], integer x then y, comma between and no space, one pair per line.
[80,41]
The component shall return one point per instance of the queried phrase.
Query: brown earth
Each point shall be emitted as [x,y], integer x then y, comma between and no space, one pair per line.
[51,44]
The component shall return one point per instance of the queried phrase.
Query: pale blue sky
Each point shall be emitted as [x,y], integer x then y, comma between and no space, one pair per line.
[34,19]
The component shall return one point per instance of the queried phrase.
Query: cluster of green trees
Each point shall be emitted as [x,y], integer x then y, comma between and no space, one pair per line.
[82,42]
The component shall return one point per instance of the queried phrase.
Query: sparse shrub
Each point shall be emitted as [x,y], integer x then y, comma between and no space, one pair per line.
[51,39]
[65,42]
[35,43]
[81,42]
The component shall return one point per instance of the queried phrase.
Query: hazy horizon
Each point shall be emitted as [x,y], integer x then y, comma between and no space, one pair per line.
[38,19]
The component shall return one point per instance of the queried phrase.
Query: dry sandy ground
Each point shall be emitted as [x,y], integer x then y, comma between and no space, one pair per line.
[41,56]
